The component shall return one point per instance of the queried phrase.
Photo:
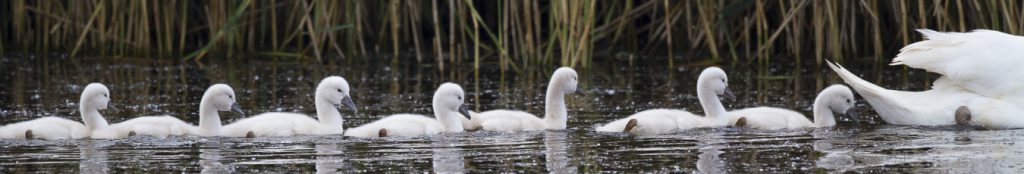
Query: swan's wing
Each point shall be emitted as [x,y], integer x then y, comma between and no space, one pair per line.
[983,61]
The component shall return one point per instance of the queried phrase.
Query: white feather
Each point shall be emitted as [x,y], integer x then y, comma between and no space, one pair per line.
[933,107]
[447,103]
[563,80]
[330,92]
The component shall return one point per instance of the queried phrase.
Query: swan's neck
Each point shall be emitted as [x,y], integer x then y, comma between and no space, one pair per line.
[209,119]
[823,116]
[92,118]
[555,114]
[709,101]
[328,114]
[449,119]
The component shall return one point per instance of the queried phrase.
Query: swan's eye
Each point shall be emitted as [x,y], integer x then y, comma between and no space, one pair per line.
[339,90]
[723,80]
[460,98]
[848,101]
[231,97]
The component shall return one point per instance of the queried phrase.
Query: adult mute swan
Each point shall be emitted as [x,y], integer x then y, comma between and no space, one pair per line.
[217,97]
[983,62]
[711,83]
[95,97]
[833,99]
[563,81]
[332,91]
[933,107]
[448,104]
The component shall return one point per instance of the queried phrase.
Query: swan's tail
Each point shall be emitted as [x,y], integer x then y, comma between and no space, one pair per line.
[614,126]
[864,88]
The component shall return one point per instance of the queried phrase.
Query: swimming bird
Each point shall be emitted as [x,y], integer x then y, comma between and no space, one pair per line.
[448,103]
[94,97]
[563,81]
[712,83]
[219,97]
[933,107]
[330,93]
[831,100]
[983,62]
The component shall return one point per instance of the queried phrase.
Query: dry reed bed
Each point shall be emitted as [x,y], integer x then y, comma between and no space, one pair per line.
[518,34]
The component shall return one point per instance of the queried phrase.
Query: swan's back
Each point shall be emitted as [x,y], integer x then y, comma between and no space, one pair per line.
[49,128]
[656,121]
[157,126]
[982,61]
[277,124]
[508,121]
[405,125]
[771,118]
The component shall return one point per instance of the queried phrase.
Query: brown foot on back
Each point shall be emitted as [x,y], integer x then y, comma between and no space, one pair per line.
[250,134]
[742,122]
[963,115]
[382,133]
[131,133]
[629,126]
[28,134]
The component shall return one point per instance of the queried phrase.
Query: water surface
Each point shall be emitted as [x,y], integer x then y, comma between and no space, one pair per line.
[34,87]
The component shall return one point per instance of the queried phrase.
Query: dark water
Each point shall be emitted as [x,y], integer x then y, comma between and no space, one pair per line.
[35,87]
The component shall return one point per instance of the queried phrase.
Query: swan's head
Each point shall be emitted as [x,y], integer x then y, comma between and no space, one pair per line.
[222,97]
[565,78]
[449,96]
[839,99]
[714,79]
[335,90]
[96,96]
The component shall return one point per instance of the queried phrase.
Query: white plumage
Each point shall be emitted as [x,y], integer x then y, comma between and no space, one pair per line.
[157,126]
[331,91]
[711,83]
[983,62]
[563,81]
[933,107]
[448,104]
[48,128]
[658,121]
[834,99]
[217,97]
[94,97]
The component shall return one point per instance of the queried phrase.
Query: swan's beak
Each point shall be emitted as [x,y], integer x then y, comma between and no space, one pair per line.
[853,115]
[728,94]
[347,101]
[464,110]
[235,107]
[110,106]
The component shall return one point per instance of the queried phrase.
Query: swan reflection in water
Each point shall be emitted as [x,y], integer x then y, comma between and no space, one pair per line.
[447,156]
[709,160]
[93,158]
[210,158]
[557,151]
[836,156]
[330,158]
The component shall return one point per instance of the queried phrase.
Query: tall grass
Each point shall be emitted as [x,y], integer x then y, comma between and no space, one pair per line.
[515,35]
